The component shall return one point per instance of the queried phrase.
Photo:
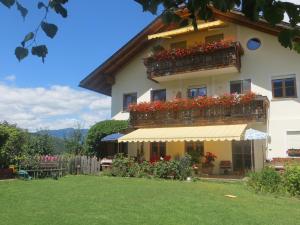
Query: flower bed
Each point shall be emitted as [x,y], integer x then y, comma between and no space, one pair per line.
[179,104]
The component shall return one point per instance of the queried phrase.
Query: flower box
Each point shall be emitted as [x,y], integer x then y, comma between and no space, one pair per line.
[293,152]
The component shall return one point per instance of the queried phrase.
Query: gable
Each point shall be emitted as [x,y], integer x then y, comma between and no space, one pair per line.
[103,77]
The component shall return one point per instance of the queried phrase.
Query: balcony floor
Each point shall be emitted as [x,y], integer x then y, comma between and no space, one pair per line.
[196,74]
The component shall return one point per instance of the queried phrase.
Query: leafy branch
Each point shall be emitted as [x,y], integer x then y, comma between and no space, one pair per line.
[272,11]
[50,29]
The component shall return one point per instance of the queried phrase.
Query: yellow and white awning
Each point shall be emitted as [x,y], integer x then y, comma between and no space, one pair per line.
[199,133]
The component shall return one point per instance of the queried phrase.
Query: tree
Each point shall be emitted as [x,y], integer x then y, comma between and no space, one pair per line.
[12,141]
[50,29]
[99,130]
[74,143]
[40,143]
[272,11]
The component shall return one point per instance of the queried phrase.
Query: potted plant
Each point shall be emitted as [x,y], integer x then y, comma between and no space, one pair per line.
[207,165]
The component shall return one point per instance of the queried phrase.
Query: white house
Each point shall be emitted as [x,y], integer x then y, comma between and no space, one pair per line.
[245,56]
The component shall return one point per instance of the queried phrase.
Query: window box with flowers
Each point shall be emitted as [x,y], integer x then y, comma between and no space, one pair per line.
[206,56]
[293,152]
[200,110]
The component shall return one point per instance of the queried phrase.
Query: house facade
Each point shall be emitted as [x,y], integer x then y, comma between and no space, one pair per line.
[244,57]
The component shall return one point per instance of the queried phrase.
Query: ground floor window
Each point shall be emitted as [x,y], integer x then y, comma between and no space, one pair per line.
[195,149]
[157,150]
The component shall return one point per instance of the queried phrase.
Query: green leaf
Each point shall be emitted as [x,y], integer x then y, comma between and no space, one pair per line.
[41,5]
[8,3]
[22,10]
[58,8]
[274,14]
[49,29]
[40,51]
[28,37]
[297,47]
[21,53]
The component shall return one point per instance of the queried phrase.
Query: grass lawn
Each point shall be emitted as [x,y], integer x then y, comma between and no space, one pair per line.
[88,200]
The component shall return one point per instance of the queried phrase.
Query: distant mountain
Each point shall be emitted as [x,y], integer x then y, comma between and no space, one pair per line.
[62,133]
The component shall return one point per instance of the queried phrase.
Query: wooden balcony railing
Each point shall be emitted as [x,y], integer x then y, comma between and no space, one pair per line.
[217,59]
[255,111]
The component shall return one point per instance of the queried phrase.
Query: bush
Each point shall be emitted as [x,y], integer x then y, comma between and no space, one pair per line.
[121,166]
[291,180]
[185,169]
[176,169]
[267,180]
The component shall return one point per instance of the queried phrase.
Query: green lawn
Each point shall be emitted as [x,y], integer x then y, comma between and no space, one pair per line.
[87,200]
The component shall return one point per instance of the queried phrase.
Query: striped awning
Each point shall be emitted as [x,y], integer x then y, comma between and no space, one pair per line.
[199,133]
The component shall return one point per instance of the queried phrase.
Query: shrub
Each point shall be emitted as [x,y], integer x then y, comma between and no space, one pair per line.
[185,169]
[121,166]
[291,179]
[267,180]
[176,169]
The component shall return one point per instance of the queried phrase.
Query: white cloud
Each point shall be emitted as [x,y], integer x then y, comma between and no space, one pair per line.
[10,78]
[52,108]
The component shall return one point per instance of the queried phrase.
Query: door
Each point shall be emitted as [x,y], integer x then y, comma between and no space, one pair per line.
[241,156]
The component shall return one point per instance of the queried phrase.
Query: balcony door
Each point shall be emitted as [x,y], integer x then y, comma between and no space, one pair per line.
[241,156]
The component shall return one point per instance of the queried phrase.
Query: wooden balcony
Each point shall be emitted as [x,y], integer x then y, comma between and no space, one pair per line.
[219,61]
[255,111]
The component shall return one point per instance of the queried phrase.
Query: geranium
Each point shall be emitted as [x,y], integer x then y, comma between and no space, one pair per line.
[202,102]
[173,54]
[209,158]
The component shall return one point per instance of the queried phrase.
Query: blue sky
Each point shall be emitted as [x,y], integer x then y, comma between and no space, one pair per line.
[36,95]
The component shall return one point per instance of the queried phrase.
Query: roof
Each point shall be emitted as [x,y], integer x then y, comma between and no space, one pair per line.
[103,77]
[200,133]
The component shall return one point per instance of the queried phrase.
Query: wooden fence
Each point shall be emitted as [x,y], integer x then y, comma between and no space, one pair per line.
[83,165]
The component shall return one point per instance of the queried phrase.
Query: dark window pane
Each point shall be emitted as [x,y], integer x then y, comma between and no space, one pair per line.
[129,99]
[278,83]
[236,87]
[196,92]
[290,82]
[158,95]
[290,91]
[278,92]
[253,44]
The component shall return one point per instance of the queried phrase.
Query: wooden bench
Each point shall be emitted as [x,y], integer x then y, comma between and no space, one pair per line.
[226,166]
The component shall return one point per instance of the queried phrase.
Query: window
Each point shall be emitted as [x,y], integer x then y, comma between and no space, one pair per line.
[158,95]
[129,99]
[284,88]
[197,91]
[158,149]
[180,44]
[214,38]
[293,139]
[195,150]
[253,43]
[240,86]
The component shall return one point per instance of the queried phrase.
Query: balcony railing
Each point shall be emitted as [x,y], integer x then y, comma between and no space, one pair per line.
[200,61]
[255,111]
